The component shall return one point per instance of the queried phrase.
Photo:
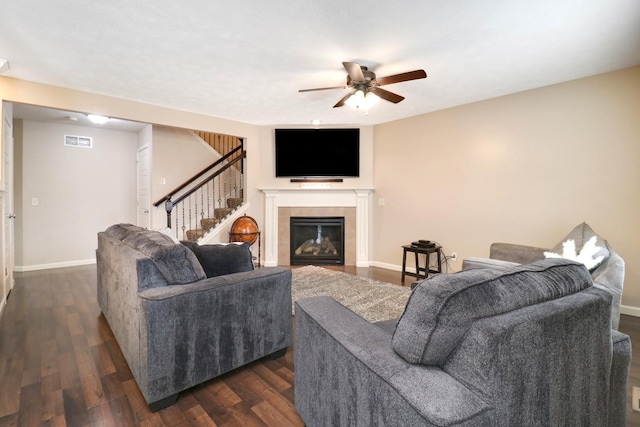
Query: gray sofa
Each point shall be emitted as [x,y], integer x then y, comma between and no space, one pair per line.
[177,327]
[524,346]
[608,275]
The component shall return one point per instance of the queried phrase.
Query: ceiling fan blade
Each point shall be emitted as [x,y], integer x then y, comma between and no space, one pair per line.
[386,95]
[344,98]
[355,72]
[402,77]
[323,88]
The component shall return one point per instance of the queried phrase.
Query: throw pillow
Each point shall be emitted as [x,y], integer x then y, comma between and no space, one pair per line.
[175,262]
[441,310]
[222,259]
[583,245]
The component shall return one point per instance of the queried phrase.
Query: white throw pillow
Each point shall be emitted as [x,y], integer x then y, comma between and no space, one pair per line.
[586,256]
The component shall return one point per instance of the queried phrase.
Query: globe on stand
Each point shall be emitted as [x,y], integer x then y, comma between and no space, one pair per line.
[245,229]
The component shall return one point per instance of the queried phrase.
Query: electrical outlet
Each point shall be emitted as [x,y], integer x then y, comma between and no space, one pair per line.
[635,399]
[454,256]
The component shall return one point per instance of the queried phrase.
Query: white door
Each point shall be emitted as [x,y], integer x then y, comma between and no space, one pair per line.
[144,193]
[7,202]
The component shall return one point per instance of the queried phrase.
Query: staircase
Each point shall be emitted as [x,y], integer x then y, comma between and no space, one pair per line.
[199,205]
[219,214]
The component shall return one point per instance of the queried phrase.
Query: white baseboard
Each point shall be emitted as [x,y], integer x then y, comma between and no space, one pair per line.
[389,266]
[23,268]
[630,311]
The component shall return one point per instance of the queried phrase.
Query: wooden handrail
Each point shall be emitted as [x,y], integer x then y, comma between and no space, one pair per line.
[200,174]
[218,172]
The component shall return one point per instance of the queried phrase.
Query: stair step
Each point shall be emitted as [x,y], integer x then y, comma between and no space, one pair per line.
[221,213]
[194,235]
[209,223]
[234,202]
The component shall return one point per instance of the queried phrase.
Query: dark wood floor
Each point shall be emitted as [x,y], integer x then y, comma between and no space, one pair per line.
[60,365]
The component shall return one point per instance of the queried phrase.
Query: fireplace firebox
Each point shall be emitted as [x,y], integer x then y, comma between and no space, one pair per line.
[317,240]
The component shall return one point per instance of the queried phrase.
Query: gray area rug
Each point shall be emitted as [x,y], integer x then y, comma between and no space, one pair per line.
[371,299]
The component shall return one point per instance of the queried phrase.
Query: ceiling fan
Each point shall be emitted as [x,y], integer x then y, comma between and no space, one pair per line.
[363,83]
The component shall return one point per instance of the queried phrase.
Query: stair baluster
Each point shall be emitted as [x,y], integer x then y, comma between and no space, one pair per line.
[196,217]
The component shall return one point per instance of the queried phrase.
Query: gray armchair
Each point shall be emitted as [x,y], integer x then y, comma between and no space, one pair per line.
[609,275]
[528,345]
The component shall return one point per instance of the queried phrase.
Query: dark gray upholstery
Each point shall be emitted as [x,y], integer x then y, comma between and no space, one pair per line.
[609,275]
[176,263]
[532,345]
[440,311]
[177,336]
[218,260]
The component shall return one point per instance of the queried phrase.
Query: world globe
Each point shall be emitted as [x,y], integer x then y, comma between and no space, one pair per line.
[244,229]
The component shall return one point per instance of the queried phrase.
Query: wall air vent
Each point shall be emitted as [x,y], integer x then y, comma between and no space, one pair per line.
[78,141]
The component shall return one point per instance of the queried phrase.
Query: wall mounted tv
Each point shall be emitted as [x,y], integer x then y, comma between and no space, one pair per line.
[317,153]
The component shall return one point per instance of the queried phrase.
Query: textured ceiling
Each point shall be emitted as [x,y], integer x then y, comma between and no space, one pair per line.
[246,60]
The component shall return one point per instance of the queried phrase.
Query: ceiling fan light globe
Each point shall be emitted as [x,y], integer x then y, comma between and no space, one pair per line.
[371,99]
[361,101]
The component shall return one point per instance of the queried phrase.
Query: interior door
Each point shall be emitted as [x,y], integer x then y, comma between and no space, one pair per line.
[144,193]
[7,202]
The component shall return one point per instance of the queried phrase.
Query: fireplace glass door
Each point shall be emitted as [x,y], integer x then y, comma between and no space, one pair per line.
[317,240]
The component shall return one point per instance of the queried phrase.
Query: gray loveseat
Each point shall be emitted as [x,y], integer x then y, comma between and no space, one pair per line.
[528,345]
[177,327]
[608,275]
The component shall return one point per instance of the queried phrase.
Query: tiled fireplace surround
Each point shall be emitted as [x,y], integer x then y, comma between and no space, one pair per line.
[280,205]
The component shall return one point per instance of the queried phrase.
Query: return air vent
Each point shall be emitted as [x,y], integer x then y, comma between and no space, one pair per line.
[78,141]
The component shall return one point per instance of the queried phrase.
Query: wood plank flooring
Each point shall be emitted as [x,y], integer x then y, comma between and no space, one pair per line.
[60,365]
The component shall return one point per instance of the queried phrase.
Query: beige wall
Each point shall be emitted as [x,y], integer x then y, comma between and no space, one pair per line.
[524,168]
[78,191]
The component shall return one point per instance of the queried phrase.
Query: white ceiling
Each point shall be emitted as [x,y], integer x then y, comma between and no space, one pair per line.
[246,60]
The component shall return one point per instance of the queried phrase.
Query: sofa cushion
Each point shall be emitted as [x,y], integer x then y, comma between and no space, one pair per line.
[120,231]
[441,309]
[582,244]
[221,259]
[177,263]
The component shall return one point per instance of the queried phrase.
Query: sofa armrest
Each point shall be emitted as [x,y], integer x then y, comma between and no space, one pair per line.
[620,363]
[610,276]
[191,333]
[348,373]
[520,254]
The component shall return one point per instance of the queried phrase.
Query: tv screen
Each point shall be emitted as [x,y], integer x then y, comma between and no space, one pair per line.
[317,153]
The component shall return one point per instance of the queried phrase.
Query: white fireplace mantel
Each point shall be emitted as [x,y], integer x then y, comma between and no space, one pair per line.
[357,198]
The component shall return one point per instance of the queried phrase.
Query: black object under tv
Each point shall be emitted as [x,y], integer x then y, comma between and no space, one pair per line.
[317,153]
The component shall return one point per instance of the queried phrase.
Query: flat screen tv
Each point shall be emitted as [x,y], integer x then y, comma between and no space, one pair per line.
[317,153]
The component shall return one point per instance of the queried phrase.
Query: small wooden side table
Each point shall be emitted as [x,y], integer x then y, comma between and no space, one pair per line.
[417,250]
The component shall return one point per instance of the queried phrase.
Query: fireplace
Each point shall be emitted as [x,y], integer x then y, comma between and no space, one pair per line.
[281,204]
[316,240]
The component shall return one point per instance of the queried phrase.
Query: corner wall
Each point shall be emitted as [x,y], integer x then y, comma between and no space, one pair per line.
[524,168]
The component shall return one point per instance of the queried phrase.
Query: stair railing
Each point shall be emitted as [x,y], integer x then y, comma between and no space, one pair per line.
[204,200]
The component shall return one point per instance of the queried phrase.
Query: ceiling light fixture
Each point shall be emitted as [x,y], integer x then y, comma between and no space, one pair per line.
[362,100]
[97,119]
